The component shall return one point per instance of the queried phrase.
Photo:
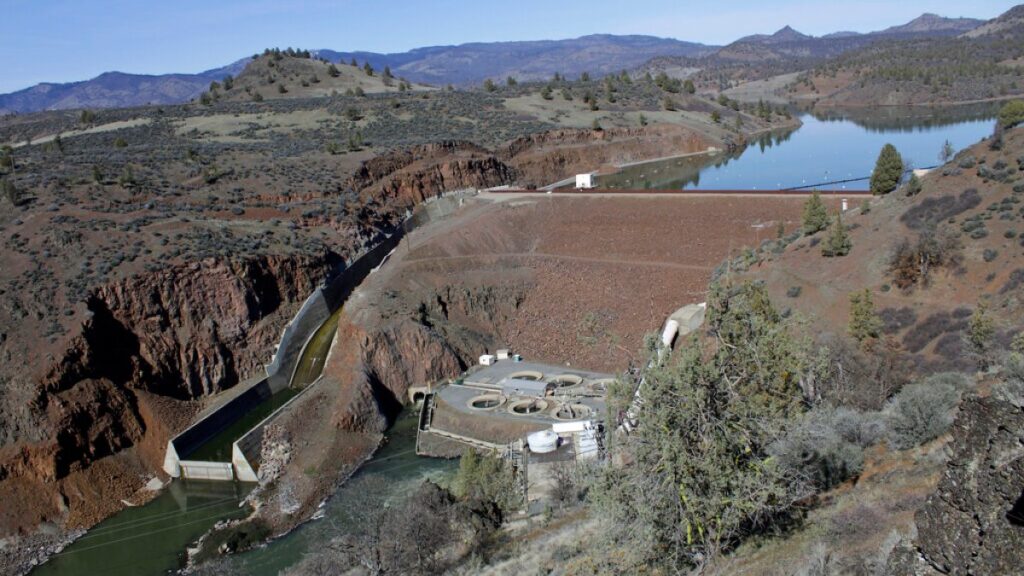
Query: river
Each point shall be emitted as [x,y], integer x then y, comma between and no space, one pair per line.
[150,540]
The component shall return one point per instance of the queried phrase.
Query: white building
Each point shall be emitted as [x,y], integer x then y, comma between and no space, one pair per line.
[584,181]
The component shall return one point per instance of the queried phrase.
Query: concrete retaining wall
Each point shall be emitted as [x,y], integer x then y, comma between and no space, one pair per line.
[317,308]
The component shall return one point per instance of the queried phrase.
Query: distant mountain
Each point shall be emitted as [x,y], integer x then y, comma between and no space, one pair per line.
[532,60]
[115,90]
[933,24]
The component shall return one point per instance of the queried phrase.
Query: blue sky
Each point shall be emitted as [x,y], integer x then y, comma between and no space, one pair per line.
[67,40]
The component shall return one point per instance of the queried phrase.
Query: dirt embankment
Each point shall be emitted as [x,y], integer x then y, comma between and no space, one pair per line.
[149,346]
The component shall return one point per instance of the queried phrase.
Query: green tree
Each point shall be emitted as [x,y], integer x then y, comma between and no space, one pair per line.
[838,242]
[668,103]
[980,332]
[596,125]
[333,71]
[716,117]
[87,117]
[699,477]
[913,186]
[486,478]
[689,87]
[489,85]
[1011,114]
[864,323]
[510,81]
[888,171]
[368,69]
[545,93]
[585,77]
[815,215]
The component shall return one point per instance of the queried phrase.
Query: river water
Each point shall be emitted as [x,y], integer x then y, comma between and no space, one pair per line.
[826,148]
[150,540]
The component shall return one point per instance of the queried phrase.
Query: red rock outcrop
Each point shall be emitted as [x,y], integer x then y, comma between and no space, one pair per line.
[151,340]
[407,177]
[551,156]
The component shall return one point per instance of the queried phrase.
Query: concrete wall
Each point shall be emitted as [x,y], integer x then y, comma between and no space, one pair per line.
[198,470]
[314,312]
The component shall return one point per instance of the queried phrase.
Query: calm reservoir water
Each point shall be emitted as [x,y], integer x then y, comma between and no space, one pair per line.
[822,150]
[150,540]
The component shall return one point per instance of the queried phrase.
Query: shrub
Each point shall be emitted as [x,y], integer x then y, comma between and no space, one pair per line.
[814,449]
[838,242]
[932,211]
[486,479]
[794,291]
[924,411]
[1011,114]
[918,337]
[910,264]
[967,162]
[896,319]
[989,254]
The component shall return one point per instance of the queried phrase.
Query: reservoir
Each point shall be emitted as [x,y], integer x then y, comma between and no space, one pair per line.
[826,148]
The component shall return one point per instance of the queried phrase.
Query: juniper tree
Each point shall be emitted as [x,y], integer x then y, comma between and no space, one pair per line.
[489,85]
[888,171]
[815,215]
[980,332]
[699,477]
[689,87]
[864,321]
[838,242]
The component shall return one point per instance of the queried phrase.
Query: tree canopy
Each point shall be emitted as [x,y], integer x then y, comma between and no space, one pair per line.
[888,171]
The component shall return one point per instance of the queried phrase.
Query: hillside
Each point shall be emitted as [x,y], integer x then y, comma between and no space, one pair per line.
[762,56]
[983,64]
[277,75]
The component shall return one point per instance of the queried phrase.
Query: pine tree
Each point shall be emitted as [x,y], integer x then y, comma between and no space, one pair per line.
[815,216]
[489,85]
[864,321]
[838,242]
[689,87]
[888,171]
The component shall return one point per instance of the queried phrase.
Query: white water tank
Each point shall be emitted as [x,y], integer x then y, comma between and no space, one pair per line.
[669,333]
[543,442]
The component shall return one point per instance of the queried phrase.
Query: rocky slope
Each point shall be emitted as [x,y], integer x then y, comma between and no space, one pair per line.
[973,523]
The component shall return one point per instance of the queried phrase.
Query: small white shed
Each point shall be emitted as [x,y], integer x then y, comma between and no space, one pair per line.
[584,181]
[487,359]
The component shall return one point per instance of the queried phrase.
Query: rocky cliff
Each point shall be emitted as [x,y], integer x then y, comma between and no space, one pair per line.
[407,177]
[171,336]
[974,522]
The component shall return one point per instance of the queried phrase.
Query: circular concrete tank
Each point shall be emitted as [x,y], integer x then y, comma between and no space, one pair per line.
[568,412]
[542,442]
[527,375]
[567,380]
[527,407]
[486,402]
